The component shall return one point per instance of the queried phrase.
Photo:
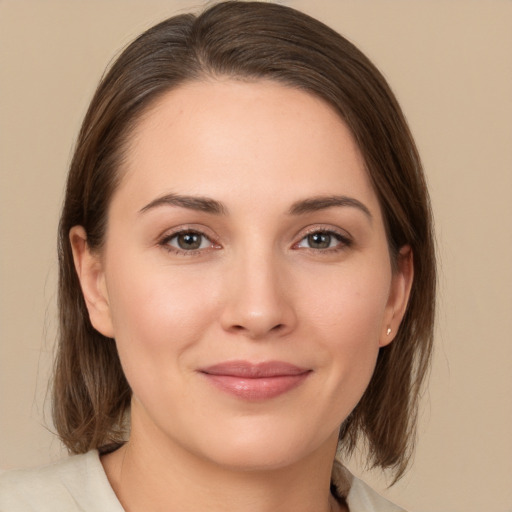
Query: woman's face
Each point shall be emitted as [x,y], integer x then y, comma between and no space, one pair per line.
[245,275]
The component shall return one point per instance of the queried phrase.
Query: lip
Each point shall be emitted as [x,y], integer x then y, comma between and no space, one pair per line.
[260,381]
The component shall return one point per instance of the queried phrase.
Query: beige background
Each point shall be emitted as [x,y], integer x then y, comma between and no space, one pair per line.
[450,63]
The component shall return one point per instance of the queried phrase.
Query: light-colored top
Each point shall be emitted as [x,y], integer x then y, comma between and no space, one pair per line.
[79,484]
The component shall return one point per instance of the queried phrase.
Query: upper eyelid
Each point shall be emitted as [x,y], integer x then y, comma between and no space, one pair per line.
[320,228]
[172,232]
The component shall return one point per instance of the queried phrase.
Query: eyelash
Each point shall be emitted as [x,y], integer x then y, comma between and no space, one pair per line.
[182,252]
[343,239]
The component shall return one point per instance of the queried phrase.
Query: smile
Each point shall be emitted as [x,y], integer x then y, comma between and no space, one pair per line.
[255,381]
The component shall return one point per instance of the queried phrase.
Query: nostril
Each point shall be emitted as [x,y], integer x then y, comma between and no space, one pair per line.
[240,328]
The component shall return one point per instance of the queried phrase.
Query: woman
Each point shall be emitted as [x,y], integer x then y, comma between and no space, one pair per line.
[247,276]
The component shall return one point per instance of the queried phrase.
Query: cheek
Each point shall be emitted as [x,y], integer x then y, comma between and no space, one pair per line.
[148,296]
[346,316]
[350,304]
[157,315]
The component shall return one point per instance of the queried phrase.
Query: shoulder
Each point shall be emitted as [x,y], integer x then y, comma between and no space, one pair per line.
[360,496]
[77,483]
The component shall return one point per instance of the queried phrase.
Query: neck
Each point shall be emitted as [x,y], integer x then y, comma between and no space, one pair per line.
[151,473]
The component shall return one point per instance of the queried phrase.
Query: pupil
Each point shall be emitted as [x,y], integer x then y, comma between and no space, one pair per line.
[319,240]
[189,241]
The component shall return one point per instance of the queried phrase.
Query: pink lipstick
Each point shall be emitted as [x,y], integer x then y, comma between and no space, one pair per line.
[255,381]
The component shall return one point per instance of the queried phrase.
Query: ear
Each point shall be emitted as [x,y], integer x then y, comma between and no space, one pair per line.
[89,268]
[401,283]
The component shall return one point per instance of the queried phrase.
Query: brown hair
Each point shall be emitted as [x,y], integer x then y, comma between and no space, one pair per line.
[250,41]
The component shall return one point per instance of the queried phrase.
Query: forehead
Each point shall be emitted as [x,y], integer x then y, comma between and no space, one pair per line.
[225,137]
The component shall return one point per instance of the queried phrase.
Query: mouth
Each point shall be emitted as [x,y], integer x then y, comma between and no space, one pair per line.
[260,381]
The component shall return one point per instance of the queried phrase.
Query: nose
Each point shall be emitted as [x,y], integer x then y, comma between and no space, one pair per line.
[258,298]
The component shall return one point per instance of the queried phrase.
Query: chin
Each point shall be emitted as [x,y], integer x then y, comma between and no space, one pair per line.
[261,450]
[256,458]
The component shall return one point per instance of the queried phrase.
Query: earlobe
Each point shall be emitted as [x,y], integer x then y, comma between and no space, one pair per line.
[400,291]
[89,269]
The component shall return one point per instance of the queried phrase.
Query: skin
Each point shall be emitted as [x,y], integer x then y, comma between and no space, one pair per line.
[257,289]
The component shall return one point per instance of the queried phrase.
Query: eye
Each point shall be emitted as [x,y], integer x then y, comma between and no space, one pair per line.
[322,240]
[187,241]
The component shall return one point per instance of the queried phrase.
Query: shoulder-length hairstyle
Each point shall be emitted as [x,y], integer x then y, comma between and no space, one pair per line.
[246,41]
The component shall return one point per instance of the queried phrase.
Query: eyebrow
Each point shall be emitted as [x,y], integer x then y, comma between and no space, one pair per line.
[315,204]
[208,205]
[203,204]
